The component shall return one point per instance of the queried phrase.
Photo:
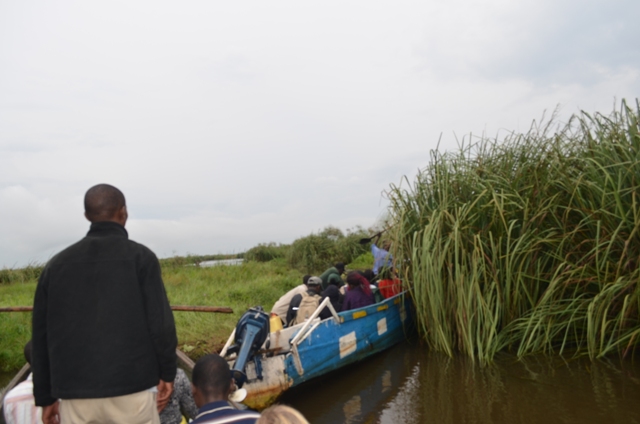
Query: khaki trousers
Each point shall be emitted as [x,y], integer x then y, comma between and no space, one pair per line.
[136,408]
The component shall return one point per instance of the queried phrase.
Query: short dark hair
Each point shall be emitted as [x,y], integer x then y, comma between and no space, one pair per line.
[339,266]
[354,278]
[305,279]
[27,352]
[102,201]
[368,274]
[211,375]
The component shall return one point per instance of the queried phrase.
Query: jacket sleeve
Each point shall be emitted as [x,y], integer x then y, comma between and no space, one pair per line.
[40,349]
[159,316]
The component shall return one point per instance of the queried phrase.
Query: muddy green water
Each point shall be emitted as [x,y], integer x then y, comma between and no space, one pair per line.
[408,385]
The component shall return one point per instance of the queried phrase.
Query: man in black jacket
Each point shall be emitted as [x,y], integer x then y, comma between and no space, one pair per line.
[103,331]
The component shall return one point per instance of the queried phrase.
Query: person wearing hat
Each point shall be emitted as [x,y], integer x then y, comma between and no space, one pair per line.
[333,275]
[281,306]
[305,302]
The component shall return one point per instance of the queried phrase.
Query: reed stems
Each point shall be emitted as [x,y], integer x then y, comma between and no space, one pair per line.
[530,243]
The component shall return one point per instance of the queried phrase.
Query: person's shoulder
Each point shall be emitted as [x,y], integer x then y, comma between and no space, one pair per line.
[140,246]
[66,253]
[142,250]
[223,412]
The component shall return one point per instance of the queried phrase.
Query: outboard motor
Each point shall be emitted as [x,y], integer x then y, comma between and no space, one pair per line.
[251,332]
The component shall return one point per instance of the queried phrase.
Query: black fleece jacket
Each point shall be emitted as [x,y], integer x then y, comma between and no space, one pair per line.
[102,324]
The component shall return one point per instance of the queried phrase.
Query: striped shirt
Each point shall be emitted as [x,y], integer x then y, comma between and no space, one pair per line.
[19,406]
[221,412]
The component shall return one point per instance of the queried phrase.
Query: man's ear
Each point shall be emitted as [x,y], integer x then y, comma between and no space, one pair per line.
[197,397]
[123,215]
[85,215]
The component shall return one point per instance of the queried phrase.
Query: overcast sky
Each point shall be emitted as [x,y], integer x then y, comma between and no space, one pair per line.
[227,124]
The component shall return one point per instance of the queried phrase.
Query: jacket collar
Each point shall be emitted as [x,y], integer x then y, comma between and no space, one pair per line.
[212,407]
[107,228]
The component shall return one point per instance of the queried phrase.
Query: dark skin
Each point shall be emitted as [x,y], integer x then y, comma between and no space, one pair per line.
[201,398]
[51,413]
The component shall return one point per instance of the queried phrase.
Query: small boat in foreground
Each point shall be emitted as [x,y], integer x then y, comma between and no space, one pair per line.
[267,364]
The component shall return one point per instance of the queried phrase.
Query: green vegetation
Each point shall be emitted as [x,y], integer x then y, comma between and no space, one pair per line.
[530,243]
[316,252]
[16,326]
[268,272]
[237,286]
[362,262]
[21,275]
[267,252]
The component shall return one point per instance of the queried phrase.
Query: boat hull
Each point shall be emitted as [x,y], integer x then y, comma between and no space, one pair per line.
[326,346]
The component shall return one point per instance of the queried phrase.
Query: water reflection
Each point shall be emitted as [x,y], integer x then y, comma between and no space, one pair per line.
[407,385]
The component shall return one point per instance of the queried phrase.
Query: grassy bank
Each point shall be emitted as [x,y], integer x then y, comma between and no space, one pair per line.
[239,287]
[530,243]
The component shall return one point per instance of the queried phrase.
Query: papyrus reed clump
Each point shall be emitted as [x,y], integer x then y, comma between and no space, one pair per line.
[529,243]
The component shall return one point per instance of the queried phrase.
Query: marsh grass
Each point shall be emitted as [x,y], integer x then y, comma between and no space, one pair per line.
[266,252]
[529,243]
[20,275]
[237,286]
[15,327]
[316,252]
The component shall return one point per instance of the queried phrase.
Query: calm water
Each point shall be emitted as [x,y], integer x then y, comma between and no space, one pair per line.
[408,385]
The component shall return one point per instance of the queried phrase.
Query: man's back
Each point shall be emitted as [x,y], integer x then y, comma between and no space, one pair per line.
[102,325]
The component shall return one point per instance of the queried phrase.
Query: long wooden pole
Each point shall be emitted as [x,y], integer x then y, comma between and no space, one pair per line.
[218,309]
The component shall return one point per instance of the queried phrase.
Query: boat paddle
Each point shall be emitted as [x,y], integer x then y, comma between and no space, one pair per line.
[368,239]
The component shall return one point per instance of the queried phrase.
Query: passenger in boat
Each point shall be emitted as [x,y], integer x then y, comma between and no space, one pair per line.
[104,339]
[389,284]
[381,256]
[181,402]
[359,293]
[335,297]
[281,414]
[281,307]
[304,305]
[333,275]
[368,274]
[19,406]
[211,386]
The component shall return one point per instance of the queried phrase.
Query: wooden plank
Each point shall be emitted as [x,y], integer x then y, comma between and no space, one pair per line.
[184,360]
[219,309]
[186,308]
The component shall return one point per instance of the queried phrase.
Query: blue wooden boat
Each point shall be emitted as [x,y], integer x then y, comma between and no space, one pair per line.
[294,355]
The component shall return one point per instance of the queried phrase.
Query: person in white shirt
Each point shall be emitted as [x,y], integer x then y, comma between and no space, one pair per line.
[18,405]
[281,307]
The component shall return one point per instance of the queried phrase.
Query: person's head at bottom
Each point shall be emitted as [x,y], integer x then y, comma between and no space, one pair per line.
[281,414]
[211,380]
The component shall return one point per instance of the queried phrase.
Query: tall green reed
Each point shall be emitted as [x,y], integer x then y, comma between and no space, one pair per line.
[529,243]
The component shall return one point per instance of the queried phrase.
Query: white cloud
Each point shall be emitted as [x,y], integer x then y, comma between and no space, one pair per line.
[230,124]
